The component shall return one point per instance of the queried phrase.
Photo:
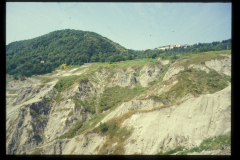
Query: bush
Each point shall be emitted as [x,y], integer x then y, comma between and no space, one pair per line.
[22,78]
[103,127]
[15,77]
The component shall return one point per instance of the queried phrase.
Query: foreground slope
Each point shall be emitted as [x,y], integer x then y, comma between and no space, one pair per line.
[148,106]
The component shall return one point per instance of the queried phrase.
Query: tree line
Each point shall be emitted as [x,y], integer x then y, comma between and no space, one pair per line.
[76,47]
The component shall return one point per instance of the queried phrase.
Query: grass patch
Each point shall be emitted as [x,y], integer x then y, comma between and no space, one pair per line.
[162,75]
[194,82]
[48,99]
[59,97]
[115,134]
[29,131]
[91,123]
[209,144]
[88,105]
[63,109]
[113,96]
[66,82]
[202,57]
[177,149]
[79,69]
[72,131]
[70,113]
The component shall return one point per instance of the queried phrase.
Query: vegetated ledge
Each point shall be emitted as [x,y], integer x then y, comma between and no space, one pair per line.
[119,120]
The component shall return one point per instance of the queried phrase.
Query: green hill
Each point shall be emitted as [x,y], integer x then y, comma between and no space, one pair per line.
[73,47]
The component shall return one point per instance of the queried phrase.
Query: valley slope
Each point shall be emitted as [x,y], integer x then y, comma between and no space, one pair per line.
[130,107]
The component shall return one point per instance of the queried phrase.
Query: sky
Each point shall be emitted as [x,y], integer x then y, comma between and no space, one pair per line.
[135,26]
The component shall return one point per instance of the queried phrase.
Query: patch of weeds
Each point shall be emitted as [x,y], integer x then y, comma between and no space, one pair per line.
[133,140]
[28,98]
[59,97]
[79,69]
[92,122]
[199,58]
[112,96]
[177,149]
[62,109]
[164,72]
[73,150]
[67,82]
[29,131]
[115,134]
[70,113]
[47,99]
[194,82]
[211,144]
[33,113]
[88,105]
[72,131]
[43,118]
[103,127]
[37,152]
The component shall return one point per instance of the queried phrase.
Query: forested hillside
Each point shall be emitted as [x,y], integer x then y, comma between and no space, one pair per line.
[73,47]
[76,47]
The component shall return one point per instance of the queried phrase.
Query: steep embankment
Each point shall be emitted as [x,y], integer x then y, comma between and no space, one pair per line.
[60,113]
[186,124]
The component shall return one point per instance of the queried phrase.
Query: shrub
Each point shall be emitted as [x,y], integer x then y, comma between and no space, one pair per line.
[103,127]
[15,77]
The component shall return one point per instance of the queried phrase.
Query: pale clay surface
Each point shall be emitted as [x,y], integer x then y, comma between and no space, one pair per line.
[185,124]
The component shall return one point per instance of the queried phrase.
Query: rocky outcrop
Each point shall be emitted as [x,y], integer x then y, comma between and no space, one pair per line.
[82,90]
[63,116]
[221,66]
[123,79]
[173,70]
[186,124]
[149,74]
[27,92]
[200,67]
[164,62]
[28,128]
[132,105]
[81,145]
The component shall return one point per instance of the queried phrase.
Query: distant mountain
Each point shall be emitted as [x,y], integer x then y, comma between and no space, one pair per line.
[73,47]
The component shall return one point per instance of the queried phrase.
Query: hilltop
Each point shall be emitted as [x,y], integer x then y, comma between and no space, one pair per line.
[72,47]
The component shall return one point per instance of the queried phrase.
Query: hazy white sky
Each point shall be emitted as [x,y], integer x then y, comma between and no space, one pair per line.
[133,25]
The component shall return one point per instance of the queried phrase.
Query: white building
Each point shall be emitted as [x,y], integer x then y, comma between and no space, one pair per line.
[178,45]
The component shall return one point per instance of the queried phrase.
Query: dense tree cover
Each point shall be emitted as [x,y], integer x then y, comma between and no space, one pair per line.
[72,47]
[76,47]
[173,53]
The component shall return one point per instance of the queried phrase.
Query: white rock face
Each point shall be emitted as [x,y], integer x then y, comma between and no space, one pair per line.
[82,90]
[132,105]
[123,79]
[221,66]
[164,62]
[172,71]
[148,74]
[83,145]
[186,124]
[201,67]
